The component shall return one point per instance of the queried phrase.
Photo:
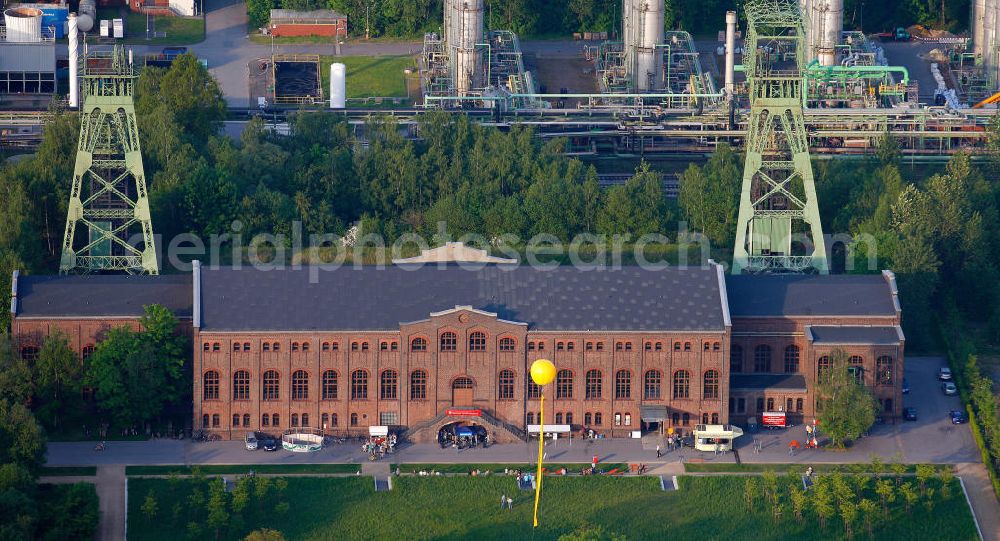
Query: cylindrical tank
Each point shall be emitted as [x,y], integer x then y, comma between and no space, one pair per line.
[338,86]
[833,25]
[467,58]
[84,22]
[649,63]
[978,12]
[730,76]
[989,35]
[74,57]
[24,25]
[89,8]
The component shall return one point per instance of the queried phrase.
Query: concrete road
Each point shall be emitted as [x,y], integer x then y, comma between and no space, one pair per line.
[110,486]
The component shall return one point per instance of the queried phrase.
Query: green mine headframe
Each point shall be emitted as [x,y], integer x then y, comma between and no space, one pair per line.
[779,226]
[108,198]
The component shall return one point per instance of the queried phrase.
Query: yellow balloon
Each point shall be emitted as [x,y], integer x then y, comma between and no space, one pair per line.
[543,372]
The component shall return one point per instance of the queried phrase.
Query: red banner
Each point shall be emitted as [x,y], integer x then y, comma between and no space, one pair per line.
[464,413]
[773,418]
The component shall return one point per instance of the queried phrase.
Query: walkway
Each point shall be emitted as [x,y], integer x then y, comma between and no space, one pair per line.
[110,485]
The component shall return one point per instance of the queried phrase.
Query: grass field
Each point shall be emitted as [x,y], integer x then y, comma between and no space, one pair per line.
[216,469]
[370,76]
[179,30]
[468,508]
[68,471]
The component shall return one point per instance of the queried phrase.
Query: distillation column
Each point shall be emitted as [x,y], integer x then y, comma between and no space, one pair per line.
[649,59]
[824,22]
[730,54]
[978,13]
[467,33]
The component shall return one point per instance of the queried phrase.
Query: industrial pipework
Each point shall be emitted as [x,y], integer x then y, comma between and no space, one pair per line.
[642,29]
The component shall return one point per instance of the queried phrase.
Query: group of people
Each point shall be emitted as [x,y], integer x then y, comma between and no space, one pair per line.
[377,447]
[506,502]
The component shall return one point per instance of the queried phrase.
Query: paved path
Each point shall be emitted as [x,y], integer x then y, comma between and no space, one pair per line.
[110,485]
[983,499]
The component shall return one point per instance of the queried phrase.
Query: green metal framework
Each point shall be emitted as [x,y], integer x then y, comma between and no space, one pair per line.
[108,199]
[778,229]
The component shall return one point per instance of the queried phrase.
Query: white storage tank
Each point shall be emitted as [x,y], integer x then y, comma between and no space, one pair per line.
[87,16]
[24,25]
[338,86]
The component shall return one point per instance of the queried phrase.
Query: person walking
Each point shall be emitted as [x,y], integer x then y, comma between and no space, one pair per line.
[510,503]
[503,500]
[658,453]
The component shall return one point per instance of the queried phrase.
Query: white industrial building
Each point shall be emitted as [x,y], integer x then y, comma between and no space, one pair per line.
[27,54]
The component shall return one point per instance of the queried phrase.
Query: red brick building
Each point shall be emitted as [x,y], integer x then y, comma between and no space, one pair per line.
[321,22]
[406,346]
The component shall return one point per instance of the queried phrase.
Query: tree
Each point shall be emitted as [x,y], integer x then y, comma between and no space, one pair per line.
[910,495]
[636,208]
[149,506]
[24,441]
[58,371]
[751,491]
[137,373]
[218,516]
[868,510]
[588,532]
[800,502]
[259,12]
[822,500]
[67,512]
[709,195]
[847,407]
[946,477]
[924,473]
[886,494]
[16,377]
[849,512]
[264,534]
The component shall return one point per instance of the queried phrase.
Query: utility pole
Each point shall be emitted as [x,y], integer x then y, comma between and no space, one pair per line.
[778,199]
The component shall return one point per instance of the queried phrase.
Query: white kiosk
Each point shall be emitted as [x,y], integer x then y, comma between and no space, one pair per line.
[715,437]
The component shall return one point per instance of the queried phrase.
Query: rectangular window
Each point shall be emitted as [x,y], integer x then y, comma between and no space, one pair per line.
[388,418]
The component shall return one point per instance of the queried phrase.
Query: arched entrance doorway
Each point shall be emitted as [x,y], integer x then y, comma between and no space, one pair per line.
[461,391]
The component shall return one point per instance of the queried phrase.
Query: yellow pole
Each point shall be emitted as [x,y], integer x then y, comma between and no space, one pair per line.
[541,446]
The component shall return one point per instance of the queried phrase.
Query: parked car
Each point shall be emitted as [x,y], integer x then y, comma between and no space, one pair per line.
[270,444]
[958,417]
[910,414]
[906,386]
[944,373]
[251,441]
[949,388]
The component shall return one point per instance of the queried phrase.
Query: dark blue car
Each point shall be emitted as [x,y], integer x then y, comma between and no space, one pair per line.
[958,417]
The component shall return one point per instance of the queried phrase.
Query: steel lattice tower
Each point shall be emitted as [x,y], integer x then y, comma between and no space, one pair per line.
[108,198]
[778,199]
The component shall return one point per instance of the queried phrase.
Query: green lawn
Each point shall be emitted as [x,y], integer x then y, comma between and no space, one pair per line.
[216,469]
[370,76]
[68,471]
[179,30]
[468,508]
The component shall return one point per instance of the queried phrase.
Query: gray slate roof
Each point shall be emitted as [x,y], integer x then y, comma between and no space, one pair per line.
[791,295]
[778,382]
[369,298]
[102,295]
[878,336]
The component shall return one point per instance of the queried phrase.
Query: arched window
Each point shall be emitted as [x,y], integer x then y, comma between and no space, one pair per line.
[822,366]
[588,419]
[87,352]
[715,418]
[564,384]
[651,385]
[588,346]
[236,347]
[883,366]
[300,385]
[623,385]
[529,418]
[716,346]
[798,405]
[329,385]
[241,385]
[462,383]
[711,387]
[325,419]
[275,420]
[246,419]
[266,346]
[791,359]
[216,420]
[354,419]
[295,416]
[364,346]
[216,346]
[628,419]
[204,421]
[389,385]
[295,347]
[597,418]
[276,346]
[594,383]
[762,358]
[210,390]
[29,353]
[682,384]
[788,404]
[418,385]
[507,344]
[856,366]
[265,420]
[418,344]
[236,420]
[505,385]
[559,418]
[533,390]
[687,346]
[735,359]
[305,419]
[325,346]
[334,419]
[449,342]
[770,404]
[477,341]
[359,385]
[675,418]
[677,346]
[600,346]
[704,418]
[685,419]
[305,347]
[569,417]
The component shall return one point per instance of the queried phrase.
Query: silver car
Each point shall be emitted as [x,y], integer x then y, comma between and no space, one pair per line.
[949,388]
[251,441]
